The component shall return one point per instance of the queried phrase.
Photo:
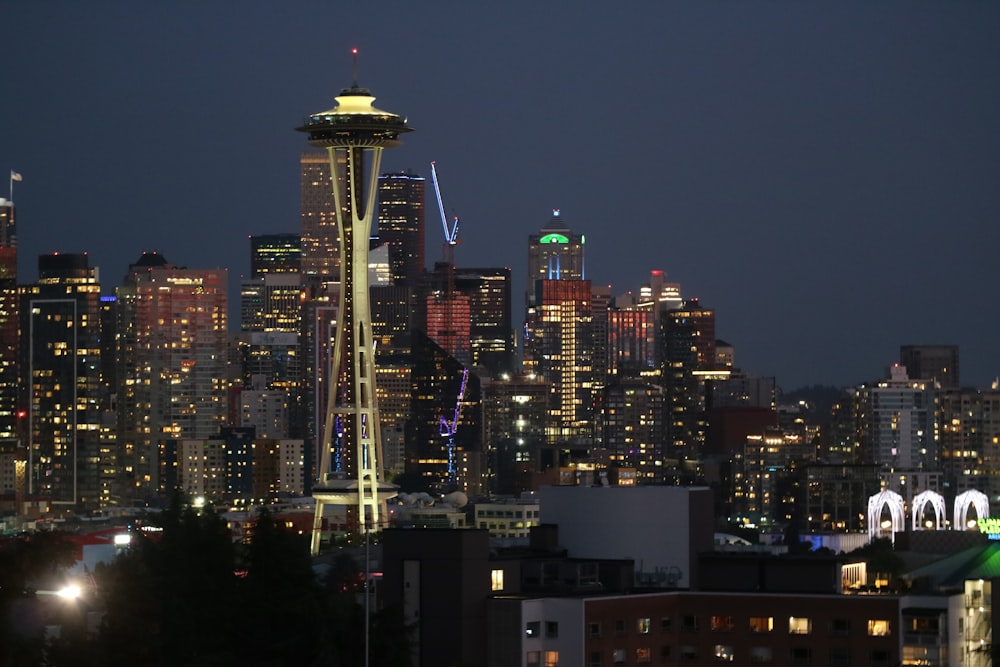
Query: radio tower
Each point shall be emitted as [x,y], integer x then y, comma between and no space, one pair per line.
[353,133]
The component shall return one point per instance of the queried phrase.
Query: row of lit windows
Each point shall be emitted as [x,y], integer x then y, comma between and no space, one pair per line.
[799,655]
[797,625]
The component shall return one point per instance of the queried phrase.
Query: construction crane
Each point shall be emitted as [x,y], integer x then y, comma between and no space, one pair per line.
[450,233]
[448,428]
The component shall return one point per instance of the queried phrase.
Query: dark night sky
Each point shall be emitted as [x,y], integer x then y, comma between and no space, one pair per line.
[824,174]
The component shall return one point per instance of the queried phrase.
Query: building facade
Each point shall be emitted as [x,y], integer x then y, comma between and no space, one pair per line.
[559,347]
[65,397]
[401,225]
[173,362]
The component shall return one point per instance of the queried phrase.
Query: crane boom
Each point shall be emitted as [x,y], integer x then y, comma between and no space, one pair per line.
[450,234]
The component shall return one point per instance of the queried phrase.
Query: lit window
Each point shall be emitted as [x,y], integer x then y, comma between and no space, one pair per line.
[643,626]
[878,627]
[723,653]
[722,623]
[552,659]
[761,623]
[534,658]
[496,577]
[799,625]
[643,655]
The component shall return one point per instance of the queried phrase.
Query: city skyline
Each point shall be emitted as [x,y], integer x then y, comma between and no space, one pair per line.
[822,177]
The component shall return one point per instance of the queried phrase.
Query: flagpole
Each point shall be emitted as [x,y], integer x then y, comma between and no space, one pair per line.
[14,176]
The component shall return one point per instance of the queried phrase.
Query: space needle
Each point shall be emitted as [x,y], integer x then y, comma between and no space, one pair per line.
[353,133]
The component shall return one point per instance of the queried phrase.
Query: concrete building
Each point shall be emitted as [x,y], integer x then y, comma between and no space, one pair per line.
[509,520]
[896,422]
[695,628]
[661,528]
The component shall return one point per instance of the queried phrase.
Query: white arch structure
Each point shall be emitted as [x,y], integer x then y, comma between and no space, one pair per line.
[937,502]
[977,499]
[896,513]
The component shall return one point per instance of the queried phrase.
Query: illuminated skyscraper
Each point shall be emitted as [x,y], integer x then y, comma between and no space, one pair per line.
[559,347]
[491,338]
[353,133]
[554,253]
[320,237]
[632,423]
[448,323]
[9,313]
[172,351]
[515,414]
[688,352]
[60,318]
[401,225]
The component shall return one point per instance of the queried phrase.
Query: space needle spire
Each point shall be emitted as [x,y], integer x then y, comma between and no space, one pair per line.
[353,133]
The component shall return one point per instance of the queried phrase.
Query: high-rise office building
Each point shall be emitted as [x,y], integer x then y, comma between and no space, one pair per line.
[353,134]
[515,414]
[172,353]
[60,318]
[635,328]
[559,348]
[271,302]
[482,297]
[631,341]
[491,336]
[275,253]
[931,362]
[554,253]
[401,225]
[320,238]
[688,352]
[9,314]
